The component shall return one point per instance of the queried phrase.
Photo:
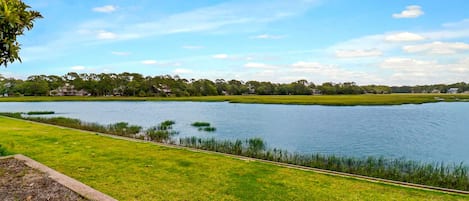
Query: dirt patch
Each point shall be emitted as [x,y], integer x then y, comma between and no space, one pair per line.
[20,182]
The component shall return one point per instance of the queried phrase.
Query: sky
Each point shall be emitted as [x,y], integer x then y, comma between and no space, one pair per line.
[392,42]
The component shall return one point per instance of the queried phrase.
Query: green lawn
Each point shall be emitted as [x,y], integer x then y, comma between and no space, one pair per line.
[143,171]
[348,100]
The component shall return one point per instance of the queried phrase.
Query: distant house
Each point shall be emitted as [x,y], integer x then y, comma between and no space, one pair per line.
[163,89]
[315,92]
[453,91]
[68,90]
[436,91]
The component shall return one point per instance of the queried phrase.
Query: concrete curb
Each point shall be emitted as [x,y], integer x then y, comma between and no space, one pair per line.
[66,181]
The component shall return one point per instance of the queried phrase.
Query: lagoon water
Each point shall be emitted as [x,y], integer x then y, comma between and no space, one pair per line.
[437,132]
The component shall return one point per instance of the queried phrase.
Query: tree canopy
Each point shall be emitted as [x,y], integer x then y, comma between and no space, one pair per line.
[15,17]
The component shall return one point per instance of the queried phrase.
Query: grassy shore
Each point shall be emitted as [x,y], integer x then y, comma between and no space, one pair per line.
[341,100]
[143,171]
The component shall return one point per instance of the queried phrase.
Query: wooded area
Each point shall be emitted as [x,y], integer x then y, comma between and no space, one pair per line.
[134,84]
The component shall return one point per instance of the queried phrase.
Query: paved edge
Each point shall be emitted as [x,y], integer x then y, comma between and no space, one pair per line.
[297,167]
[66,181]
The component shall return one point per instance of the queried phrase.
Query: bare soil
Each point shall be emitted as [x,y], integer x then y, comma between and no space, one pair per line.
[20,182]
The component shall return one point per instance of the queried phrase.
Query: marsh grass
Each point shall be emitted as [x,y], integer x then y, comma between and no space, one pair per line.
[128,170]
[200,124]
[120,128]
[335,100]
[162,132]
[203,126]
[208,129]
[453,176]
[40,112]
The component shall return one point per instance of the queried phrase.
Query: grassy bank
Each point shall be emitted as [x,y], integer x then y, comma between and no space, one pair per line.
[345,100]
[451,176]
[143,171]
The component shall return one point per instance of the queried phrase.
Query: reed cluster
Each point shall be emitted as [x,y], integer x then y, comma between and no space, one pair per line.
[453,176]
[204,126]
[40,112]
[161,133]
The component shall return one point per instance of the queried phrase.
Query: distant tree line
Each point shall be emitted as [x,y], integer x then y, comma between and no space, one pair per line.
[134,84]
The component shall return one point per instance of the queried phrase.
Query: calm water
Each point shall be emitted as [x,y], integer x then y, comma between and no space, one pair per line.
[429,132]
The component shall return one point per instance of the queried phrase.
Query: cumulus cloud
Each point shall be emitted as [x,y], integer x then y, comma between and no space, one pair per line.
[105,9]
[259,65]
[149,62]
[220,56]
[412,11]
[182,71]
[404,37]
[409,71]
[192,47]
[106,35]
[407,64]
[78,68]
[120,53]
[358,53]
[437,48]
[325,72]
[268,36]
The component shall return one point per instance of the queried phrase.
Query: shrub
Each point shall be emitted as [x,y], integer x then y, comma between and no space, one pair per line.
[3,151]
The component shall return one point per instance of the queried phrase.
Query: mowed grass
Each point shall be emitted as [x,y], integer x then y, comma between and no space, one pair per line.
[345,100]
[129,170]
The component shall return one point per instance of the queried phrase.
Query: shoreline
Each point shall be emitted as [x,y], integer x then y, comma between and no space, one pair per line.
[324,100]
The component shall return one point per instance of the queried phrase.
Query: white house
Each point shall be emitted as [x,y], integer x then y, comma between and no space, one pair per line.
[453,91]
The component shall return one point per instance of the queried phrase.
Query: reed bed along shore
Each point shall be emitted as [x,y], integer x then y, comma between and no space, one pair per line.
[130,170]
[330,100]
[452,176]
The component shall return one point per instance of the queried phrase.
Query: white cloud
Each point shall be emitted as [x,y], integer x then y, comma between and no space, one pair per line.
[358,53]
[220,56]
[259,65]
[78,68]
[412,11]
[105,35]
[105,9]
[437,48]
[404,37]
[160,63]
[462,23]
[409,71]
[267,36]
[120,53]
[192,47]
[407,64]
[316,71]
[149,62]
[214,18]
[182,71]
[447,34]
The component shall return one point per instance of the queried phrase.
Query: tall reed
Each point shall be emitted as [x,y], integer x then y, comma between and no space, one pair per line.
[453,176]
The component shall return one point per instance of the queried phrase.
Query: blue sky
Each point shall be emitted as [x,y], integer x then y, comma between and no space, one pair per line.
[394,42]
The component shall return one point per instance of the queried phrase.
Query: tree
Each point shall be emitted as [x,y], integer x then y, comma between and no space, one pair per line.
[14,19]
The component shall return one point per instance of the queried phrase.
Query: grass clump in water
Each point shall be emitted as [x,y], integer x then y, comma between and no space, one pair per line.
[162,132]
[200,124]
[204,126]
[208,129]
[40,112]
